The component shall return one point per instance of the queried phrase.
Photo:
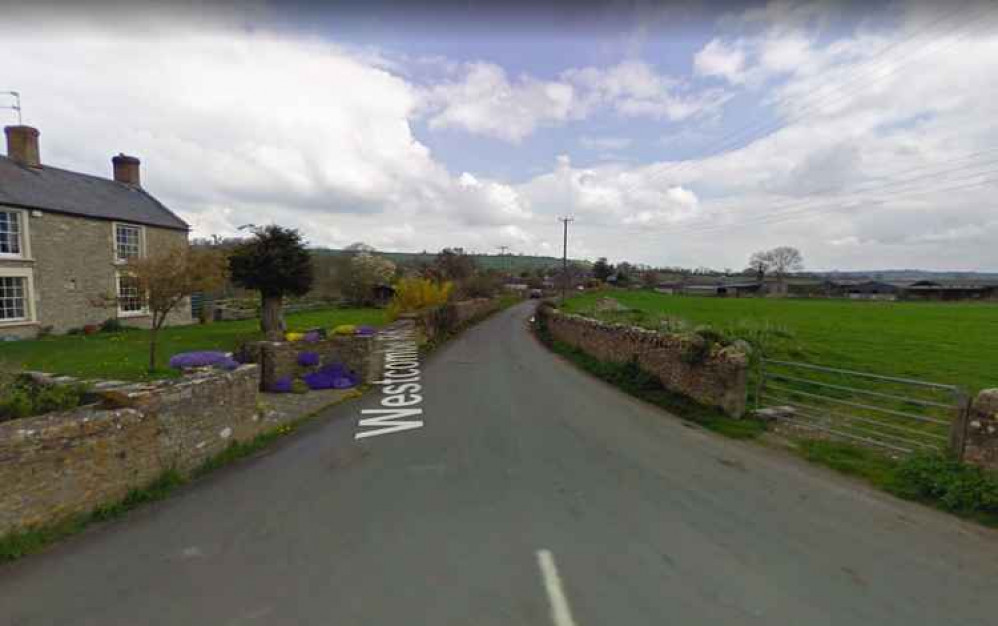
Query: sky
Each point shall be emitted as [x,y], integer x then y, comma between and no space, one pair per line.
[674,134]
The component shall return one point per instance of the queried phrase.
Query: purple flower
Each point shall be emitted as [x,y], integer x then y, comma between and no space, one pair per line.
[186,360]
[308,359]
[332,376]
[283,384]
[312,336]
[364,331]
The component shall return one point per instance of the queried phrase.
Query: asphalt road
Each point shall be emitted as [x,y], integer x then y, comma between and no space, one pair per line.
[639,518]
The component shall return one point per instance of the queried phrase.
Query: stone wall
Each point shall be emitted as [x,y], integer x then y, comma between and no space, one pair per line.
[64,463]
[981,438]
[452,316]
[719,381]
[280,359]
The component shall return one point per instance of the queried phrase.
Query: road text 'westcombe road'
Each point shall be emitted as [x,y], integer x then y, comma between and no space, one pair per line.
[400,386]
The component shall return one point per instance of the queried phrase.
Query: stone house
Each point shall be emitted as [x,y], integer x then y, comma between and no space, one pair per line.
[65,238]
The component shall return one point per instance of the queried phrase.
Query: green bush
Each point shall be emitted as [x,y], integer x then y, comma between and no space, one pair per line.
[696,350]
[953,485]
[111,325]
[24,398]
[15,403]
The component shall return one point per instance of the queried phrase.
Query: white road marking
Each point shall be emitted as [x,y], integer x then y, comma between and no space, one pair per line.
[561,614]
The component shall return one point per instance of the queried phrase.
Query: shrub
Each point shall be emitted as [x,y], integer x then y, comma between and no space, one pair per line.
[712,335]
[206,358]
[294,336]
[696,349]
[308,359]
[481,286]
[111,325]
[15,403]
[24,398]
[954,485]
[332,376]
[345,329]
[414,294]
[312,336]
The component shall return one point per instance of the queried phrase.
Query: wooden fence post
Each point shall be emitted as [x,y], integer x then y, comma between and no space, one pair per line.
[958,427]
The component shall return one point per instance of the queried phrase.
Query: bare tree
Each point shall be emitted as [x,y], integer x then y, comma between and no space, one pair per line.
[760,263]
[779,261]
[161,281]
[785,259]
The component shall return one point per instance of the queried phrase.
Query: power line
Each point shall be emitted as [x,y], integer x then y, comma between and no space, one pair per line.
[830,205]
[763,128]
[903,185]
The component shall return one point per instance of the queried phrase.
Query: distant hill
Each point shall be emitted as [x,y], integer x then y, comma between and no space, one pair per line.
[513,262]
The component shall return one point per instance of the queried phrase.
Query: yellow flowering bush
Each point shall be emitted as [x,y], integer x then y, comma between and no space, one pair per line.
[414,294]
[345,329]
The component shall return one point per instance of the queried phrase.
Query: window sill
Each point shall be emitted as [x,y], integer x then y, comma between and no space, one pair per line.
[15,257]
[132,314]
[13,323]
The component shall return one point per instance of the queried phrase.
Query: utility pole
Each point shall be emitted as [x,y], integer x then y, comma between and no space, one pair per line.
[564,257]
[502,253]
[16,107]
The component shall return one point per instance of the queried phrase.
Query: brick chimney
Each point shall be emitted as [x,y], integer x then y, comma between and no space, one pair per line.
[22,145]
[126,170]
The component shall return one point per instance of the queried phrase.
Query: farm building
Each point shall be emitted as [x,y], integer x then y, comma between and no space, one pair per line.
[935,290]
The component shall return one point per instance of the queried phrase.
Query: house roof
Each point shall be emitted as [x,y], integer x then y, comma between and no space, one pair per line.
[53,189]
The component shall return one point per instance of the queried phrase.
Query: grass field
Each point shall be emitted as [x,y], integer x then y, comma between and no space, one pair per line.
[953,343]
[124,355]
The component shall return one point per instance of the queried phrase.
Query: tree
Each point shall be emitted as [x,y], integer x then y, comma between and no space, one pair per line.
[625,272]
[779,261]
[760,264]
[359,246]
[454,265]
[274,262]
[650,278]
[601,269]
[785,259]
[162,280]
[365,272]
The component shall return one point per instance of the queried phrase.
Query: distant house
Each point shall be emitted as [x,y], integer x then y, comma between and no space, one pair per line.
[65,238]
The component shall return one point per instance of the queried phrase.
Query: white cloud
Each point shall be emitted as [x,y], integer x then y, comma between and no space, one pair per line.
[236,127]
[720,59]
[485,101]
[636,89]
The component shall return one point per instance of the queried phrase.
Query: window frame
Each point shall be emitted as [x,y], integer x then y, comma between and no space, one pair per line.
[27,275]
[114,241]
[122,313]
[23,238]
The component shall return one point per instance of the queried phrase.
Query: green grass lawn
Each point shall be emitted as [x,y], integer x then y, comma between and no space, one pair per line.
[953,343]
[124,355]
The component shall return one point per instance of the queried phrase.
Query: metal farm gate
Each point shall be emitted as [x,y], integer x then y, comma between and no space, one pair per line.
[898,414]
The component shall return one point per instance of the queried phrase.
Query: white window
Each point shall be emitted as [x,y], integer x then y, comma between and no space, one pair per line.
[127,241]
[13,298]
[130,298]
[10,233]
